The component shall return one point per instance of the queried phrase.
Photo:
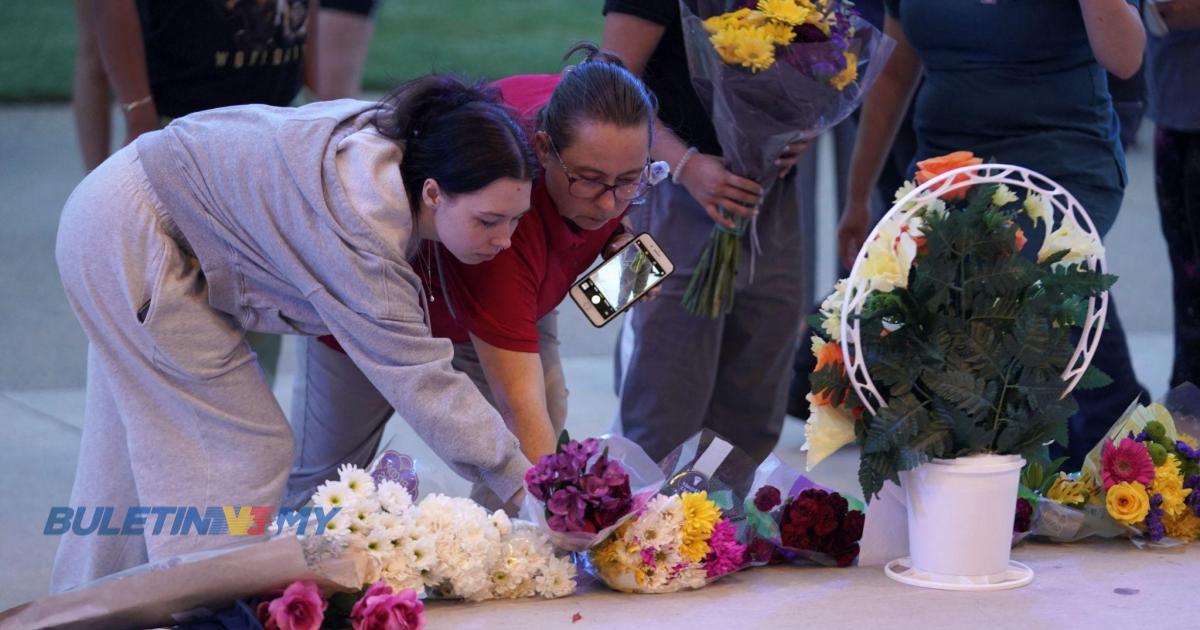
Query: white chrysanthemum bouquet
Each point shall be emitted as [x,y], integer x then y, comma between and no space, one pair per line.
[442,546]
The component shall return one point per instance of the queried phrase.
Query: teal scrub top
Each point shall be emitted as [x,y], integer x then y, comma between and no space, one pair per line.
[1015,81]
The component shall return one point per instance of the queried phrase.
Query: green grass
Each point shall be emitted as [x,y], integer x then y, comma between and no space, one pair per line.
[489,38]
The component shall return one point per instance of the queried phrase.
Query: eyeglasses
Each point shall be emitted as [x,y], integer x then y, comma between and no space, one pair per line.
[590,189]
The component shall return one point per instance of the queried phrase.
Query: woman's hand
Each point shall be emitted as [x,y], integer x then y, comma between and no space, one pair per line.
[714,187]
[852,231]
[790,156]
[614,244]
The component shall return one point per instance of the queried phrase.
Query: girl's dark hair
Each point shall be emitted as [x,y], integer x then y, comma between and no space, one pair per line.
[599,89]
[459,135]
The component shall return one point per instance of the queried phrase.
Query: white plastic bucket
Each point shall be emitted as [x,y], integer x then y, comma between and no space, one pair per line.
[960,514]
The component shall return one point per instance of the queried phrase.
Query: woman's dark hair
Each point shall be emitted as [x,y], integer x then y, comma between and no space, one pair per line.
[598,89]
[459,135]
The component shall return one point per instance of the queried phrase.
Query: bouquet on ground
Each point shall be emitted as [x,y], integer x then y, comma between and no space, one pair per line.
[966,335]
[1141,481]
[675,542]
[795,520]
[441,546]
[301,606]
[579,494]
[691,532]
[770,73]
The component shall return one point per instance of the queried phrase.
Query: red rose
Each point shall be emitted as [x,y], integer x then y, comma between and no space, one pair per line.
[767,498]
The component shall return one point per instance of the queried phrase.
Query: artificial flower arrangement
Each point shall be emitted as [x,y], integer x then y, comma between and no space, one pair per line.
[441,546]
[967,336]
[770,73]
[795,520]
[1141,481]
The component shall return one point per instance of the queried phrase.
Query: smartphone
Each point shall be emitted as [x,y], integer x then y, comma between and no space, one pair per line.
[615,284]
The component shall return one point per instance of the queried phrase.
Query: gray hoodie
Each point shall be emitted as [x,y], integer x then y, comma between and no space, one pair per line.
[301,225]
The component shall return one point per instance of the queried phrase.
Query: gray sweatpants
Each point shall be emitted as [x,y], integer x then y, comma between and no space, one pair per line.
[177,413]
[678,373]
[338,416]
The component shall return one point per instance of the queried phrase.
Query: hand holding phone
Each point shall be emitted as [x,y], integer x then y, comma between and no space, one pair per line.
[615,284]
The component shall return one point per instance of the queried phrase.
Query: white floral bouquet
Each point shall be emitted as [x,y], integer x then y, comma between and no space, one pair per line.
[441,546]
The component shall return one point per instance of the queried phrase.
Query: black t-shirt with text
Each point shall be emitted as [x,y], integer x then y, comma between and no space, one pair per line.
[666,73]
[202,54]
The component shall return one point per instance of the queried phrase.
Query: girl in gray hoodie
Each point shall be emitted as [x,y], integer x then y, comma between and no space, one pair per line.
[278,220]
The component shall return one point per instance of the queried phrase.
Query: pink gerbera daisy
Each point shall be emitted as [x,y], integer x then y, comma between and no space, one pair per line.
[1128,460]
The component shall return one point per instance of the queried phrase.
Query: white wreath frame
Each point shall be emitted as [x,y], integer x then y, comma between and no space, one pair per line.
[1065,208]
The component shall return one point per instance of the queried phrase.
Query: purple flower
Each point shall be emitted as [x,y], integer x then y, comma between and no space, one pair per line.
[593,486]
[1187,451]
[568,511]
[610,510]
[1193,499]
[540,478]
[578,453]
[613,473]
[1154,519]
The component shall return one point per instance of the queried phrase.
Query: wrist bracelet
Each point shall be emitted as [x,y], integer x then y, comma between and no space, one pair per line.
[132,105]
[675,173]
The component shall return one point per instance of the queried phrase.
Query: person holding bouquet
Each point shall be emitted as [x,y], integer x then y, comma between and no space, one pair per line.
[279,220]
[592,130]
[1024,84]
[734,377]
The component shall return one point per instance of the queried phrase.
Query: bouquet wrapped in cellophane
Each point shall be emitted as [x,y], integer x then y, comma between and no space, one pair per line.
[1142,481]
[688,534]
[770,73]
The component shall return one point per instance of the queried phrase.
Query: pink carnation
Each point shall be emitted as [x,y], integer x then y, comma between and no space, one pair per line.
[300,607]
[727,554]
[382,609]
[1128,461]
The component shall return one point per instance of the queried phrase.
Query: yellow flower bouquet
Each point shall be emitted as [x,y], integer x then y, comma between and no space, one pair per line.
[769,74]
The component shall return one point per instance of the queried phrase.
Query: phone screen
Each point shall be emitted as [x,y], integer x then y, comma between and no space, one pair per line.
[622,279]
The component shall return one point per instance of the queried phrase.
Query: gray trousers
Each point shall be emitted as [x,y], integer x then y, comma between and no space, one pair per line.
[338,416]
[178,412]
[678,373]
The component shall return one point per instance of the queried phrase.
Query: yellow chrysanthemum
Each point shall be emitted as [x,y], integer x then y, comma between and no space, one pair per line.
[786,11]
[700,517]
[727,21]
[848,74]
[1185,527]
[779,34]
[1168,482]
[1127,503]
[754,50]
[1068,491]
[725,43]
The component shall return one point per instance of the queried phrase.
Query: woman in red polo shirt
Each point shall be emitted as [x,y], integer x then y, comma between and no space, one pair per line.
[593,132]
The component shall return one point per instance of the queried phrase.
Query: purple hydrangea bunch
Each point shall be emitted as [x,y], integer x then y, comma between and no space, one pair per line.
[579,497]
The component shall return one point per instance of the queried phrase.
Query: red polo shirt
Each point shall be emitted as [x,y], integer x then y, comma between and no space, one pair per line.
[501,301]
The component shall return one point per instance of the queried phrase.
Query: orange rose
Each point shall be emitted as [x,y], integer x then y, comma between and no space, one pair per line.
[928,169]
